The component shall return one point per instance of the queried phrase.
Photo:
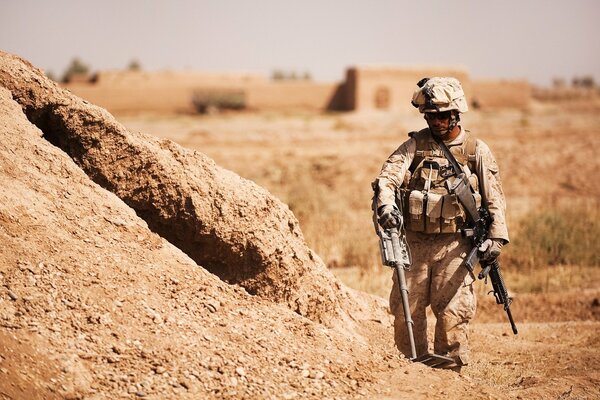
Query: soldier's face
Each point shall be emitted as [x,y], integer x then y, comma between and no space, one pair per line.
[439,122]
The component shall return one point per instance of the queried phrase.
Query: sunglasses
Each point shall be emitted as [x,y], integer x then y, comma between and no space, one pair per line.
[438,115]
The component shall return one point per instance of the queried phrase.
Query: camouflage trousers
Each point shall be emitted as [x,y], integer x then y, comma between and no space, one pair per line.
[438,278]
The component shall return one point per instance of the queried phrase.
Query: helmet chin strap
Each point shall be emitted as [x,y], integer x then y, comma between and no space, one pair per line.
[454,120]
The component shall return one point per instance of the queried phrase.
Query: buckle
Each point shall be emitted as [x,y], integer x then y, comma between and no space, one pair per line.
[446,171]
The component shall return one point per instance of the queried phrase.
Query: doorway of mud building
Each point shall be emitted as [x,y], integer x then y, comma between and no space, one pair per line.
[382,98]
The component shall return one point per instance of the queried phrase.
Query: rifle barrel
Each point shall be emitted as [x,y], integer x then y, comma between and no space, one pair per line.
[512,322]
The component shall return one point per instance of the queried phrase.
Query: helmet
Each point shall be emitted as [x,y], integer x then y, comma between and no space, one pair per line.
[439,95]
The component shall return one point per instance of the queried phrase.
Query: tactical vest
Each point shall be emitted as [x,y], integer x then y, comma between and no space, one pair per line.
[427,204]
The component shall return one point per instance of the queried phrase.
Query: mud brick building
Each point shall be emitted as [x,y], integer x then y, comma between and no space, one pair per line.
[391,88]
[364,89]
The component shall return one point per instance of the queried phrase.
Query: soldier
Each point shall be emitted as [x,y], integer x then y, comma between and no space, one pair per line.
[413,182]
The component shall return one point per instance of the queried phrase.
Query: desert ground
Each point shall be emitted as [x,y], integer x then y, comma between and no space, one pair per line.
[322,166]
[135,266]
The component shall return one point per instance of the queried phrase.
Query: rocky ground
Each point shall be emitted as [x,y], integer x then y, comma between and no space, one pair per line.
[110,291]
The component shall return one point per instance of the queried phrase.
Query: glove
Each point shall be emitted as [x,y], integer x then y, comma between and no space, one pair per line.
[389,217]
[490,249]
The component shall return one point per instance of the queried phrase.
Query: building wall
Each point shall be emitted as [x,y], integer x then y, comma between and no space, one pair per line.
[172,92]
[132,99]
[497,94]
[365,89]
[292,95]
[391,89]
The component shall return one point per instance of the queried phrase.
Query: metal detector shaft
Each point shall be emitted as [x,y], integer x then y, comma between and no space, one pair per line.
[407,318]
[401,259]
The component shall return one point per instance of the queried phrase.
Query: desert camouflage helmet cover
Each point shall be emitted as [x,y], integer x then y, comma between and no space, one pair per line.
[439,94]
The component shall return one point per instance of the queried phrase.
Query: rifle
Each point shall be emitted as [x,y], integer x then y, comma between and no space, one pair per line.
[478,233]
[480,220]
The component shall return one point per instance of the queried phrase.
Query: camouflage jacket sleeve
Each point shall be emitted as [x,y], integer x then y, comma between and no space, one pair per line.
[491,187]
[392,173]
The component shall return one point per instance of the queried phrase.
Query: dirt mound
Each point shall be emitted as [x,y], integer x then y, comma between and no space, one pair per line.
[132,268]
[94,304]
[227,224]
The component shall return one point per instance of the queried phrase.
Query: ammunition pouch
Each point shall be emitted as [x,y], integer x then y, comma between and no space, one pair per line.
[451,210]
[415,218]
[434,213]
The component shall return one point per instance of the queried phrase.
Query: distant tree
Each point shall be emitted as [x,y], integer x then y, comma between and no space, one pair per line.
[77,67]
[134,65]
[586,81]
[278,75]
[51,75]
[559,83]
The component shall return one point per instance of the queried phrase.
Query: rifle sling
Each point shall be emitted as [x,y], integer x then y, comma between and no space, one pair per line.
[448,154]
[462,189]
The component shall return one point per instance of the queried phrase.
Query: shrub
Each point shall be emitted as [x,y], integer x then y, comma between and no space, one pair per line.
[51,75]
[134,65]
[280,75]
[76,68]
[208,101]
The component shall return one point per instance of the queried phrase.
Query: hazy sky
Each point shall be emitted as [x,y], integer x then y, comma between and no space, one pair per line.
[536,40]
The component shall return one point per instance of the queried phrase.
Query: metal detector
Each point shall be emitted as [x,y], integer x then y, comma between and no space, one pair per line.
[395,253]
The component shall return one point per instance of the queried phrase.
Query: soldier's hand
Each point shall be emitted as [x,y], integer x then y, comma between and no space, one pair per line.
[389,217]
[491,248]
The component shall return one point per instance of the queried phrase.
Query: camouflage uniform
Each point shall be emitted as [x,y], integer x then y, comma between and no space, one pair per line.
[437,276]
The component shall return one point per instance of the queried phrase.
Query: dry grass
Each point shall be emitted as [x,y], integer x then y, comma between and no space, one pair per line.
[552,250]
[552,279]
[322,167]
[378,281]
[558,235]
